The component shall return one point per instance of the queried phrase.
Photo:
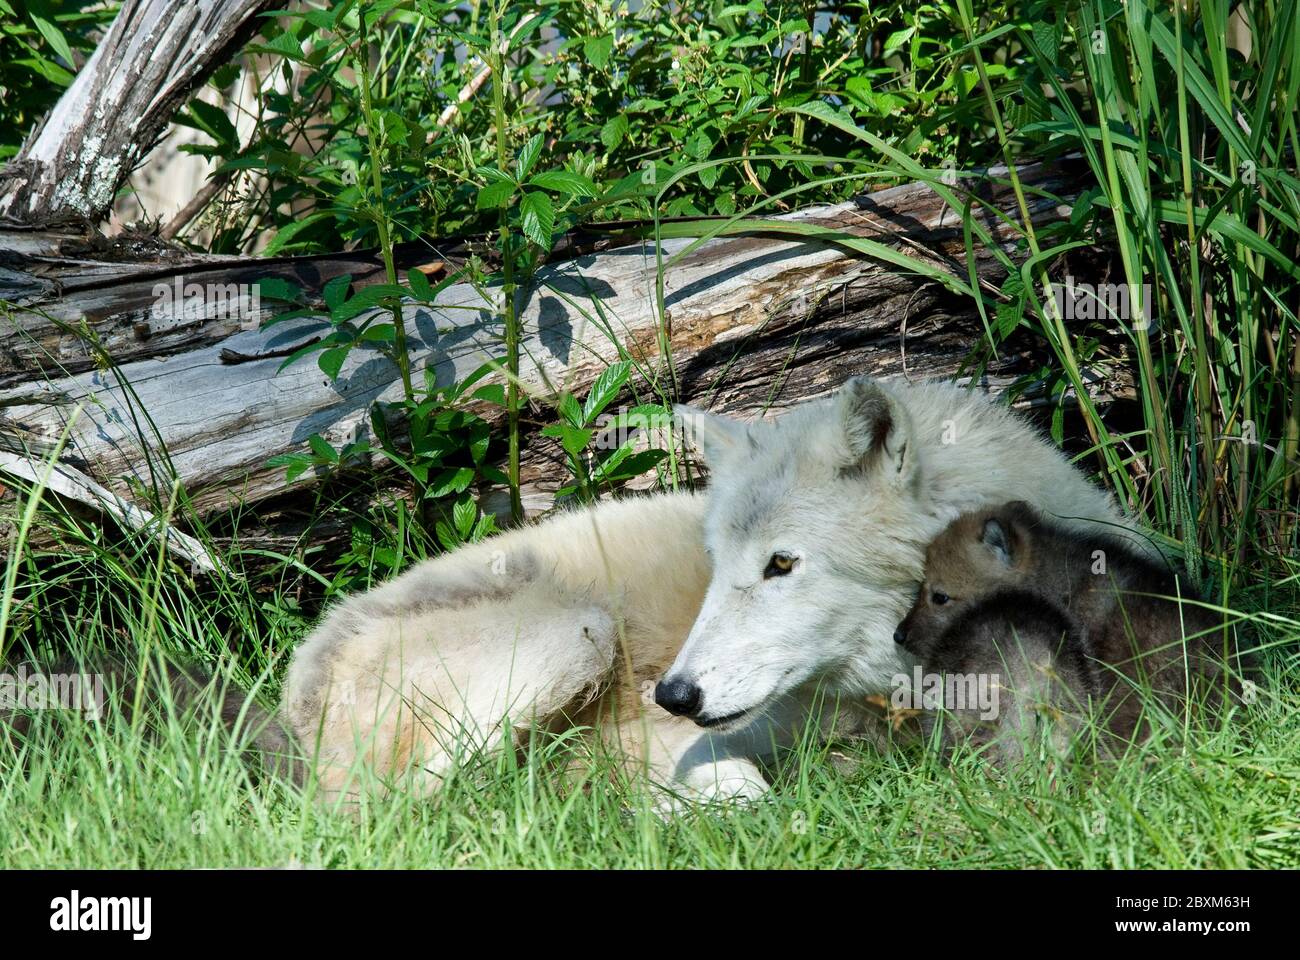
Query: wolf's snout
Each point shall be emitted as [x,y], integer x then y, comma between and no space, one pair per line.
[678,696]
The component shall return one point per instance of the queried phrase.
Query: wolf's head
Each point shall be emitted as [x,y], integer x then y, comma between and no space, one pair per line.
[816,529]
[979,553]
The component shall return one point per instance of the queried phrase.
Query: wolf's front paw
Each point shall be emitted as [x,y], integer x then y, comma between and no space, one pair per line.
[728,783]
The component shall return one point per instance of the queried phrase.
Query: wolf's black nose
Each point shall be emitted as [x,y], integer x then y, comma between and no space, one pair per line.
[678,696]
[900,635]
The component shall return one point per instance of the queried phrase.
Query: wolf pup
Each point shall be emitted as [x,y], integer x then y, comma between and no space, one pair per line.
[1010,668]
[1085,609]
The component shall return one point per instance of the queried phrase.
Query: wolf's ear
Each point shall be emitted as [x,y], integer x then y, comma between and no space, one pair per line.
[713,435]
[876,429]
[998,536]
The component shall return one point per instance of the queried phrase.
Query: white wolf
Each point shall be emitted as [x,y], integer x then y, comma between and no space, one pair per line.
[783,586]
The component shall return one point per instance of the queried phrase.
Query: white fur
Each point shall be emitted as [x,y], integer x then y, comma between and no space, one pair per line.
[573,619]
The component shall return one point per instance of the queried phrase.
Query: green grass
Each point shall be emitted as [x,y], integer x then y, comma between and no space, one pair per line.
[107,793]
[107,796]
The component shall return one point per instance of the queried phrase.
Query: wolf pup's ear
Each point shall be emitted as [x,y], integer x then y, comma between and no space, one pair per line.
[998,536]
[713,435]
[876,429]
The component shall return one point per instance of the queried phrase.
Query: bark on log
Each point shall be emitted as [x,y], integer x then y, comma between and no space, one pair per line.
[155,53]
[755,322]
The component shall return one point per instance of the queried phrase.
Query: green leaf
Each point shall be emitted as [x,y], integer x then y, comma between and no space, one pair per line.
[568,409]
[598,50]
[367,298]
[335,291]
[635,465]
[463,514]
[495,194]
[285,45]
[480,440]
[48,69]
[1047,36]
[286,235]
[610,463]
[573,439]
[321,447]
[614,130]
[538,219]
[644,416]
[380,332]
[528,154]
[393,127]
[224,76]
[699,145]
[605,389]
[213,121]
[565,182]
[453,480]
[896,39]
[486,524]
[1010,314]
[296,463]
[277,288]
[419,285]
[40,13]
[331,361]
[494,175]
[492,393]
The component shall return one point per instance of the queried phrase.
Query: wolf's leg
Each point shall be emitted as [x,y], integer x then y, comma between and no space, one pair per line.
[422,693]
[708,772]
[686,764]
[513,675]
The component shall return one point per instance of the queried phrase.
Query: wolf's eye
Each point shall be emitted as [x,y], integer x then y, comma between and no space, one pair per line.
[778,566]
[939,597]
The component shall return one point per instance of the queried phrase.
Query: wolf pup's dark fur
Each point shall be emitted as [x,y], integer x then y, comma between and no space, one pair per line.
[1029,653]
[1071,617]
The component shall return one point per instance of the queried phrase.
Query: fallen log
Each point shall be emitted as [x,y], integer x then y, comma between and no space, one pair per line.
[752,323]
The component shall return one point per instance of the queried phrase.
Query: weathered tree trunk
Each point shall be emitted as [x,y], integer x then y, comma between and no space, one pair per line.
[155,53]
[753,322]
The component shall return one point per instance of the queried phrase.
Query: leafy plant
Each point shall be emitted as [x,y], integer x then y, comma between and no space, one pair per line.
[580,424]
[615,99]
[443,449]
